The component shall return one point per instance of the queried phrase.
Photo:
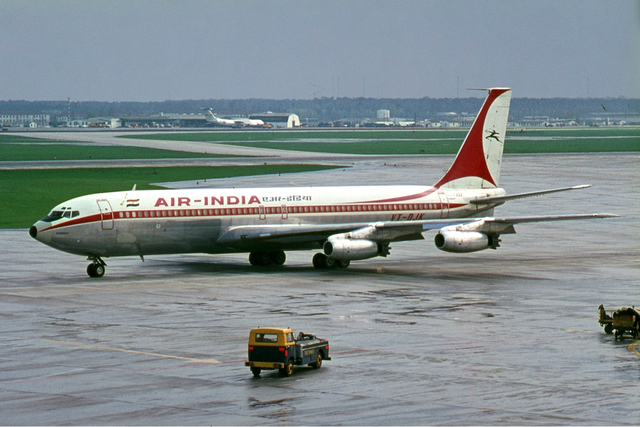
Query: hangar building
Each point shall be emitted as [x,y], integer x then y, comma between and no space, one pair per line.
[278,120]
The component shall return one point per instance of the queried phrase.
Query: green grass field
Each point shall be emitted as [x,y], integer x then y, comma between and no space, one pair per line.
[16,148]
[28,195]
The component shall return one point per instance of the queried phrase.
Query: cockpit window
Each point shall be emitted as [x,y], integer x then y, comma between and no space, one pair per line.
[55,215]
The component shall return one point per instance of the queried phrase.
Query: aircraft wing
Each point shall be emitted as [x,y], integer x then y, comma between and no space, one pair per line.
[388,231]
[296,233]
[249,235]
[490,225]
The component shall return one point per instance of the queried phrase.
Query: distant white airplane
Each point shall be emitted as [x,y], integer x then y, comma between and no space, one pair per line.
[213,119]
[348,223]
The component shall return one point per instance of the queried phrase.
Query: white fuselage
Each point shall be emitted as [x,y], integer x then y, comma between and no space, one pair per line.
[188,221]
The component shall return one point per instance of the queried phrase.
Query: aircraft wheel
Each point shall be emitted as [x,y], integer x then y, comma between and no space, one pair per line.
[319,261]
[100,270]
[253,258]
[95,270]
[265,258]
[259,258]
[343,264]
[330,262]
[278,257]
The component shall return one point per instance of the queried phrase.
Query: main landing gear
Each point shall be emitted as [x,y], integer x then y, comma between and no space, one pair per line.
[267,258]
[321,261]
[97,268]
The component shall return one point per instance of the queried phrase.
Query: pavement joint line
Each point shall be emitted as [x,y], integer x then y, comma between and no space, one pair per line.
[99,347]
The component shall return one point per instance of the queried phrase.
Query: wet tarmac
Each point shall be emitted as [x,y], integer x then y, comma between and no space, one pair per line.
[421,337]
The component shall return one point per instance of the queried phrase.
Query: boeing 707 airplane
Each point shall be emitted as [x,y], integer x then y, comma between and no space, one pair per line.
[347,223]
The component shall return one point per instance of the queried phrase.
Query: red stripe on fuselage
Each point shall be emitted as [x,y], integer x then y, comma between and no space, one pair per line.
[403,198]
[76,221]
[355,207]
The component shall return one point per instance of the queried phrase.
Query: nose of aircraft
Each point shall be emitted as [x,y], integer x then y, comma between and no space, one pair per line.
[36,231]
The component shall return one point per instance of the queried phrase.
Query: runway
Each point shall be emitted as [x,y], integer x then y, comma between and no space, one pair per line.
[421,337]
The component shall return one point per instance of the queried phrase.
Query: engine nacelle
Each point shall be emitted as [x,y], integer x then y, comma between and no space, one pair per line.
[351,249]
[465,241]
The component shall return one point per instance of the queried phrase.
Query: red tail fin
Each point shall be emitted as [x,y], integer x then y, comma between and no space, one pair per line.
[477,164]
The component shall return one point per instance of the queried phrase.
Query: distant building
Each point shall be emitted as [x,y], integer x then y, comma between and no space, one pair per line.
[78,123]
[383,115]
[104,122]
[278,120]
[25,120]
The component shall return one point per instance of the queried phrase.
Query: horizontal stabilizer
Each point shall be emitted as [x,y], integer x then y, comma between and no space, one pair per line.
[523,219]
[498,199]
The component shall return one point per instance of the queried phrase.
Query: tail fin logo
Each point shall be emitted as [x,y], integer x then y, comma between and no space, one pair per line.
[492,135]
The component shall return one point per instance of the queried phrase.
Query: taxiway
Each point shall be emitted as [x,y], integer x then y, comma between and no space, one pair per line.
[421,337]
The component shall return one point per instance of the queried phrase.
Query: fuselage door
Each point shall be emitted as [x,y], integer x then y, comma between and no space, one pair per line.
[444,201]
[284,212]
[106,214]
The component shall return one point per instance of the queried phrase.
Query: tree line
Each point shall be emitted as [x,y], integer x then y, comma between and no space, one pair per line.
[332,109]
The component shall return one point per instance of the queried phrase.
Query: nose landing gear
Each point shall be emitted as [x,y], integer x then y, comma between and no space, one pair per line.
[97,268]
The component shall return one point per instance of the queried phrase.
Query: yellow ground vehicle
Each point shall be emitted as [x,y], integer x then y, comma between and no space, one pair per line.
[279,348]
[625,320]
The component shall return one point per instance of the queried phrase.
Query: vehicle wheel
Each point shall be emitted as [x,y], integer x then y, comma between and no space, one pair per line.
[608,329]
[288,369]
[278,257]
[256,372]
[318,363]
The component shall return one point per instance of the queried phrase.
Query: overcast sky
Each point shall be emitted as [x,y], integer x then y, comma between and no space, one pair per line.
[133,50]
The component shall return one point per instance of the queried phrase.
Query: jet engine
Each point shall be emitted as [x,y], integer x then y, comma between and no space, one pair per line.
[465,241]
[357,244]
[353,249]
